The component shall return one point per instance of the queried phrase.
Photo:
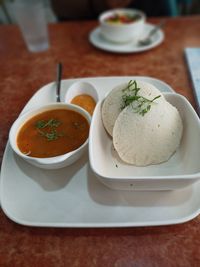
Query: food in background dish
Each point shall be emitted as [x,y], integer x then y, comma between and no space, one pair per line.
[122,18]
[85,101]
[52,133]
[146,129]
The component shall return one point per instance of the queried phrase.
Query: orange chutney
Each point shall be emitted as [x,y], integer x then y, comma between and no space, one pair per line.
[85,101]
[52,133]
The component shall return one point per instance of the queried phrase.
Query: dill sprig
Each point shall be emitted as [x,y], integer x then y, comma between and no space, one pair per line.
[140,104]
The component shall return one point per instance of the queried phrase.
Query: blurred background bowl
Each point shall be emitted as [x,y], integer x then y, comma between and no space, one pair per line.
[122,25]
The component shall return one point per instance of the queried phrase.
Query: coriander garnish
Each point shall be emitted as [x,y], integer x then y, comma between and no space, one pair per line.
[50,123]
[49,132]
[78,125]
[51,136]
[140,104]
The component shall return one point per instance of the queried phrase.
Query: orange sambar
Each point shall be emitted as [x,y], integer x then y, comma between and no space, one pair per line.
[53,133]
[85,101]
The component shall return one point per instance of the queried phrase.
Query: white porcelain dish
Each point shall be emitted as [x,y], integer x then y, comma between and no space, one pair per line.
[52,162]
[181,170]
[122,32]
[98,41]
[79,88]
[74,197]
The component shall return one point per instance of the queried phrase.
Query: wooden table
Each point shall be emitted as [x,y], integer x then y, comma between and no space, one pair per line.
[22,74]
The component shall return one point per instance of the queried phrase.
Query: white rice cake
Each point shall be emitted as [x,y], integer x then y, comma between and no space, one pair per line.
[149,139]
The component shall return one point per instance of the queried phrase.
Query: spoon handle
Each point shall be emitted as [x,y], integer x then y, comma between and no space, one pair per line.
[58,81]
[156,28]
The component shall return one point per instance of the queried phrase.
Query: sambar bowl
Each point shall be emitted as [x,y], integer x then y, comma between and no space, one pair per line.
[49,162]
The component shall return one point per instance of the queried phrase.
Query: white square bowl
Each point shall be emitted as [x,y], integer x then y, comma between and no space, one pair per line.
[181,170]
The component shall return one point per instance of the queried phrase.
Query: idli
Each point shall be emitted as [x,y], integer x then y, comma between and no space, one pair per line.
[118,99]
[149,139]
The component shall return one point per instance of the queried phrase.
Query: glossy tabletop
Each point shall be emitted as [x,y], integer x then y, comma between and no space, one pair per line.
[22,74]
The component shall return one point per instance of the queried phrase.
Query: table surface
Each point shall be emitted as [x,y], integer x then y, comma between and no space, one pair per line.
[22,74]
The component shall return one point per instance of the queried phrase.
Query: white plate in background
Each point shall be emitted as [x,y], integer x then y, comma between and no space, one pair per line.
[99,41]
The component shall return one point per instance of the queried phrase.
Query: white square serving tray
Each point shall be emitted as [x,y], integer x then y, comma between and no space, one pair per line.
[74,197]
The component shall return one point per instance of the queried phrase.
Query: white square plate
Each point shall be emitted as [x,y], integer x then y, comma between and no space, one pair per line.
[74,197]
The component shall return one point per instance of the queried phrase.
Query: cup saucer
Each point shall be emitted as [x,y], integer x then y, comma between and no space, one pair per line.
[98,41]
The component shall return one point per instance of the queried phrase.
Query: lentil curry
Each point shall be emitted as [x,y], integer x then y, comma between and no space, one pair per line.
[53,133]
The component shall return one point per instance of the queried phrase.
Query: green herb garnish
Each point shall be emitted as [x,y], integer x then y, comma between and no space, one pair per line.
[49,132]
[51,136]
[140,104]
[78,125]
[51,123]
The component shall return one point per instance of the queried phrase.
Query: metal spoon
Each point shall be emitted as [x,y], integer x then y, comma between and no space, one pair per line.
[147,40]
[58,81]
